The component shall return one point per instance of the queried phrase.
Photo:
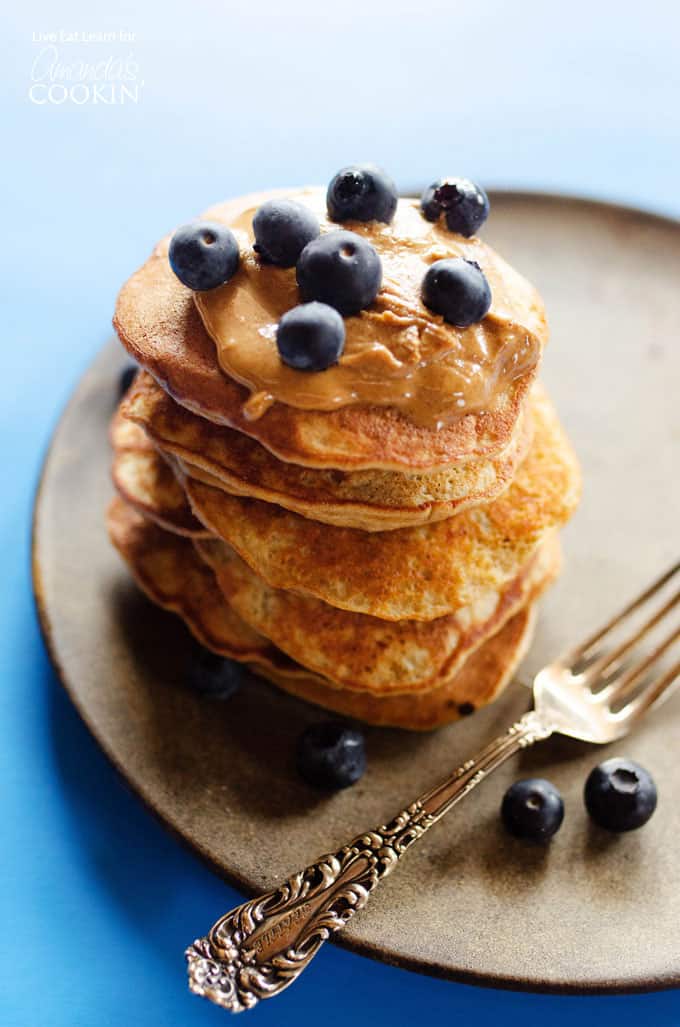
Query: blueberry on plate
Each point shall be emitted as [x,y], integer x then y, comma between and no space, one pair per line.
[341,269]
[361,192]
[458,290]
[331,755]
[465,204]
[213,675]
[204,254]
[532,809]
[282,230]
[126,378]
[620,795]
[311,337]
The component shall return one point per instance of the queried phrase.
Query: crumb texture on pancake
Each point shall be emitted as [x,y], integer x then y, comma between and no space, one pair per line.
[479,681]
[417,573]
[363,653]
[166,568]
[169,570]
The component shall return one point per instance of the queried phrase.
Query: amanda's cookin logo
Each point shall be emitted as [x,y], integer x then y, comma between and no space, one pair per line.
[78,68]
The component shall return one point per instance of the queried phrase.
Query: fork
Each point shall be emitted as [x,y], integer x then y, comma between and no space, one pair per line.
[593,693]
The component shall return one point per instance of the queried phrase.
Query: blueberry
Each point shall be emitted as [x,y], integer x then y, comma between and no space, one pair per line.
[532,809]
[213,675]
[126,378]
[331,755]
[282,230]
[458,290]
[361,192]
[465,204]
[204,254]
[620,795]
[341,269]
[311,337]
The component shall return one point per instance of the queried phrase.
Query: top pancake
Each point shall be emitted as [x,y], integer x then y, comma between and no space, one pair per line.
[374,500]
[157,321]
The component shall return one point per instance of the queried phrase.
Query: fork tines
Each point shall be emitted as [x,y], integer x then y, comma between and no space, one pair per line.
[640,678]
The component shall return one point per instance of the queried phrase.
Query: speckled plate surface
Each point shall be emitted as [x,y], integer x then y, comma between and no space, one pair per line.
[591,912]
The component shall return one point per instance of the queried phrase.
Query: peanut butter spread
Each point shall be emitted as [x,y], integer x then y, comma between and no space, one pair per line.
[397,352]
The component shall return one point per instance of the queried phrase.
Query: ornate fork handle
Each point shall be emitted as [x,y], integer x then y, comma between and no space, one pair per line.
[259,948]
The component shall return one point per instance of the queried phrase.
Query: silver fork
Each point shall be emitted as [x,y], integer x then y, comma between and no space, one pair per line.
[262,946]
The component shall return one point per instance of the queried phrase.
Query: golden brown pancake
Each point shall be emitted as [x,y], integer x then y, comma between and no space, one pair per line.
[355,650]
[416,573]
[478,682]
[156,319]
[168,569]
[371,500]
[362,653]
[146,481]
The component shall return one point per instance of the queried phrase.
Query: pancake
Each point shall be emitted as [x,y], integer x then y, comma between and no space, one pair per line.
[168,569]
[416,573]
[371,500]
[362,653]
[355,650]
[478,682]
[157,321]
[147,482]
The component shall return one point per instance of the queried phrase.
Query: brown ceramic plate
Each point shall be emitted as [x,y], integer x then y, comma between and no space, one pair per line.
[591,912]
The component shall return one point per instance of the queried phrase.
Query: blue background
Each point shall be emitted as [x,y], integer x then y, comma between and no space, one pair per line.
[97,901]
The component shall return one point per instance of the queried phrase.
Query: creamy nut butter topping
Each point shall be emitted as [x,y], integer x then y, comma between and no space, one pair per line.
[397,353]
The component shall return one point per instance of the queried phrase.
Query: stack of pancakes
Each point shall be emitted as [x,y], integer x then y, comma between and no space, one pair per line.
[381,568]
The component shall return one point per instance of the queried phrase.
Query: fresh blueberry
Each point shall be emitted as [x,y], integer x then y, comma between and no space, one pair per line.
[204,254]
[311,337]
[126,378]
[212,675]
[428,204]
[282,230]
[341,269]
[361,192]
[458,290]
[464,203]
[331,755]
[620,795]
[532,809]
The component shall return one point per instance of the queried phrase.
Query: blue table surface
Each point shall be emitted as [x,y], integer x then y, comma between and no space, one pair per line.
[97,900]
